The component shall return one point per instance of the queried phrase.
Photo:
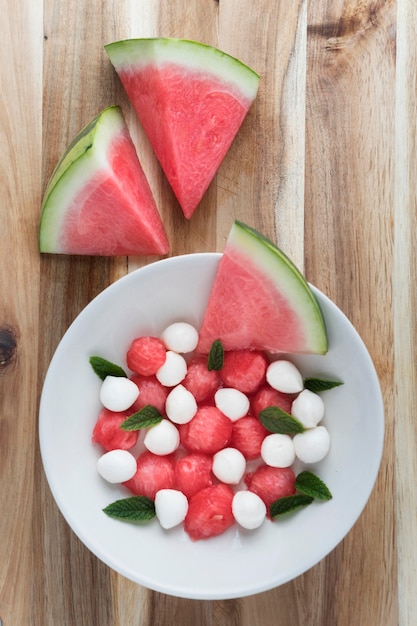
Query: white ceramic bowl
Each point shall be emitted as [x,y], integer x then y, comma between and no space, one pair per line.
[237,563]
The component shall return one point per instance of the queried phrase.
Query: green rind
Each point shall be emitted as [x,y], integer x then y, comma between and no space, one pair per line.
[288,279]
[190,54]
[85,156]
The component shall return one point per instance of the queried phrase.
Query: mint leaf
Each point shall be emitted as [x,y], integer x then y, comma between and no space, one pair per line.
[135,509]
[288,504]
[145,417]
[320,384]
[311,485]
[104,368]
[216,356]
[276,420]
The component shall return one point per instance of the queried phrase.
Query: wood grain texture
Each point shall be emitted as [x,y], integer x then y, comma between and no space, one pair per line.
[350,163]
[324,164]
[405,309]
[20,183]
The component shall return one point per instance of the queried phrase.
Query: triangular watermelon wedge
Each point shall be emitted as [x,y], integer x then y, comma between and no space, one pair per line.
[98,201]
[191,99]
[260,300]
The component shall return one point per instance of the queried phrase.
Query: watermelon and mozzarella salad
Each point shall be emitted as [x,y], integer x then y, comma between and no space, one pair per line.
[207,441]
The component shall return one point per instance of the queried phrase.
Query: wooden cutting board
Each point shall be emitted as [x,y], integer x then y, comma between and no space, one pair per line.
[324,164]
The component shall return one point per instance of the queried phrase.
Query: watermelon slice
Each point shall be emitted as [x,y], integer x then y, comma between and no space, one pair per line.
[98,201]
[260,300]
[191,100]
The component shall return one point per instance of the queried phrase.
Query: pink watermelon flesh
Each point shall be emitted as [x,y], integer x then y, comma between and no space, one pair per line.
[191,119]
[115,214]
[245,311]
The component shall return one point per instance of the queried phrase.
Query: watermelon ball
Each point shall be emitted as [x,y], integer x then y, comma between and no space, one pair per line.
[146,355]
[180,337]
[163,438]
[248,434]
[201,381]
[116,466]
[171,507]
[229,466]
[312,445]
[232,402]
[109,435]
[284,376]
[208,432]
[308,408]
[277,450]
[244,370]
[249,510]
[180,405]
[118,393]
[153,472]
[193,473]
[150,392]
[173,371]
[266,397]
[271,483]
[209,512]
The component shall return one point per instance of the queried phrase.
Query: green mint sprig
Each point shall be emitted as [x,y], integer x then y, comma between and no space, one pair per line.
[309,487]
[288,504]
[133,509]
[144,418]
[216,356]
[104,368]
[276,420]
[320,384]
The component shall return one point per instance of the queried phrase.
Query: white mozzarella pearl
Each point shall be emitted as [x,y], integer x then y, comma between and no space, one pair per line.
[229,465]
[248,509]
[232,403]
[277,450]
[171,507]
[118,393]
[312,445]
[180,337]
[117,466]
[163,438]
[180,405]
[173,371]
[308,408]
[284,376]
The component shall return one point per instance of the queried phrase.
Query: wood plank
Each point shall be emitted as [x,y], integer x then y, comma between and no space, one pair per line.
[20,155]
[405,310]
[349,211]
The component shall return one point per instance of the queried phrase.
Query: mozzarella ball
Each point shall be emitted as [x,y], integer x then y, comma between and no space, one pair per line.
[232,403]
[284,376]
[249,510]
[278,450]
[118,393]
[180,337]
[163,438]
[173,371]
[180,405]
[229,465]
[171,507]
[308,408]
[117,466]
[312,445]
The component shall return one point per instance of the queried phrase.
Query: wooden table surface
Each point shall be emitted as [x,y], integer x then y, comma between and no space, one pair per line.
[325,164]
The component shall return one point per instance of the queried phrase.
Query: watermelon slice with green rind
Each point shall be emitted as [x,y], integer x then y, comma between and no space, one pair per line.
[191,100]
[98,200]
[260,300]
